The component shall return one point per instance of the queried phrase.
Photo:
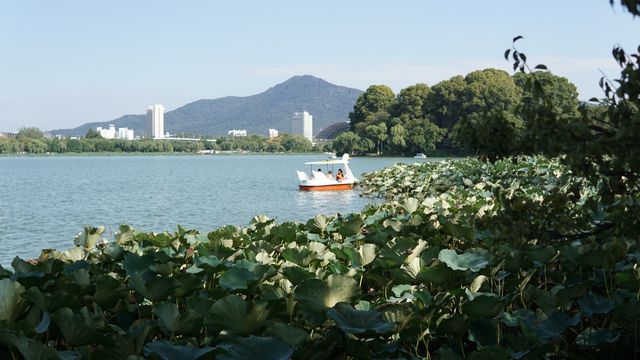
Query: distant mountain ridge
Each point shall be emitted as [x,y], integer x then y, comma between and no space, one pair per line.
[273,108]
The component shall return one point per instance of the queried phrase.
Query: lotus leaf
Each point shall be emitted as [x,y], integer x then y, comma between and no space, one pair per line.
[591,337]
[292,335]
[483,305]
[595,304]
[472,259]
[358,322]
[89,237]
[28,348]
[484,332]
[318,224]
[555,325]
[234,314]
[452,324]
[134,264]
[255,348]
[237,278]
[81,328]
[156,288]
[165,350]
[43,326]
[9,298]
[318,295]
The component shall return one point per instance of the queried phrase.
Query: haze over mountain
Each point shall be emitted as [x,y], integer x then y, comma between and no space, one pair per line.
[273,108]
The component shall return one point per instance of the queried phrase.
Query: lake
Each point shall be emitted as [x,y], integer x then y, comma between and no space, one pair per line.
[46,201]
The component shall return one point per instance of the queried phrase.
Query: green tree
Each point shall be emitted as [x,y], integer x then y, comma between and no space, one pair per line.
[488,103]
[92,134]
[398,138]
[424,135]
[563,102]
[377,134]
[29,133]
[412,101]
[371,107]
[347,142]
[443,104]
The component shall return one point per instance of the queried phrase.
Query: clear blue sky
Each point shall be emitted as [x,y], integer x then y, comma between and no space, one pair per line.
[67,62]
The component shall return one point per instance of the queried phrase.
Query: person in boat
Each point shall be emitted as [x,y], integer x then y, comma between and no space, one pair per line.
[319,171]
[340,175]
[329,175]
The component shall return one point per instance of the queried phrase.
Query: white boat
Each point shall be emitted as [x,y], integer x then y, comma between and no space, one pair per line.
[321,180]
[420,156]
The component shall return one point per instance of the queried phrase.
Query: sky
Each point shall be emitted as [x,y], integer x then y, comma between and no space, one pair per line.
[64,63]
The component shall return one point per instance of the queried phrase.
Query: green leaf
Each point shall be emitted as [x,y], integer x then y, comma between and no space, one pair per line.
[234,314]
[237,278]
[517,38]
[541,67]
[292,335]
[78,328]
[591,337]
[474,259]
[156,288]
[134,264]
[28,348]
[255,348]
[555,325]
[318,295]
[168,316]
[483,305]
[318,224]
[357,322]
[595,304]
[496,353]
[10,298]
[168,351]
[484,332]
[43,326]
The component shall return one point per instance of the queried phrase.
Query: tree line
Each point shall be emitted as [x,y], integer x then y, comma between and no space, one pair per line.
[487,112]
[33,141]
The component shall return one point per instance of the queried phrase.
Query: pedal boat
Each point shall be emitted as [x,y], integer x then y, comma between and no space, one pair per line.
[318,181]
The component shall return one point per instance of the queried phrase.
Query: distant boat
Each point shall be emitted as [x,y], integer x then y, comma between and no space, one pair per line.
[420,156]
[330,155]
[319,181]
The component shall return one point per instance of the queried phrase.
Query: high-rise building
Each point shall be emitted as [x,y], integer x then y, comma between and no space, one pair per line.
[302,125]
[273,133]
[155,114]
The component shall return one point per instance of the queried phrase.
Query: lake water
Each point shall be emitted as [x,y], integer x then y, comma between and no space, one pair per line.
[46,201]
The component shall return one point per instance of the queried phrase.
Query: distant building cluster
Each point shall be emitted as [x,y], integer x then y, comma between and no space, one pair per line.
[111,133]
[237,133]
[155,114]
[273,133]
[302,124]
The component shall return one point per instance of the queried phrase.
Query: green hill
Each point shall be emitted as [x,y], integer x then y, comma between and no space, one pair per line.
[273,108]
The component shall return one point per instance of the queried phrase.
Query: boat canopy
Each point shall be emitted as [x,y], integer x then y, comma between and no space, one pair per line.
[327,162]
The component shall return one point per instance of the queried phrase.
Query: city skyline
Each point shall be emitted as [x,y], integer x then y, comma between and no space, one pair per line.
[71,62]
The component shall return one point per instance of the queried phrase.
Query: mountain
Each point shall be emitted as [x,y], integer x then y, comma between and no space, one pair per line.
[273,108]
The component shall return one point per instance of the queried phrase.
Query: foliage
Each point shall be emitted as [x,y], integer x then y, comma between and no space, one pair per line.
[91,144]
[466,259]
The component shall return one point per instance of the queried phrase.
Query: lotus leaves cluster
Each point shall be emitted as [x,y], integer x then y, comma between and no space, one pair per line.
[465,259]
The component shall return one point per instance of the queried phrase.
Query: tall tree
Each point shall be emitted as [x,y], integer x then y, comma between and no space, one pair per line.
[563,101]
[488,103]
[411,101]
[29,133]
[371,107]
[378,134]
[443,103]
[347,142]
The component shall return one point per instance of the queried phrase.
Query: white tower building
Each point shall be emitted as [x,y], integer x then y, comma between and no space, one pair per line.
[302,125]
[156,119]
